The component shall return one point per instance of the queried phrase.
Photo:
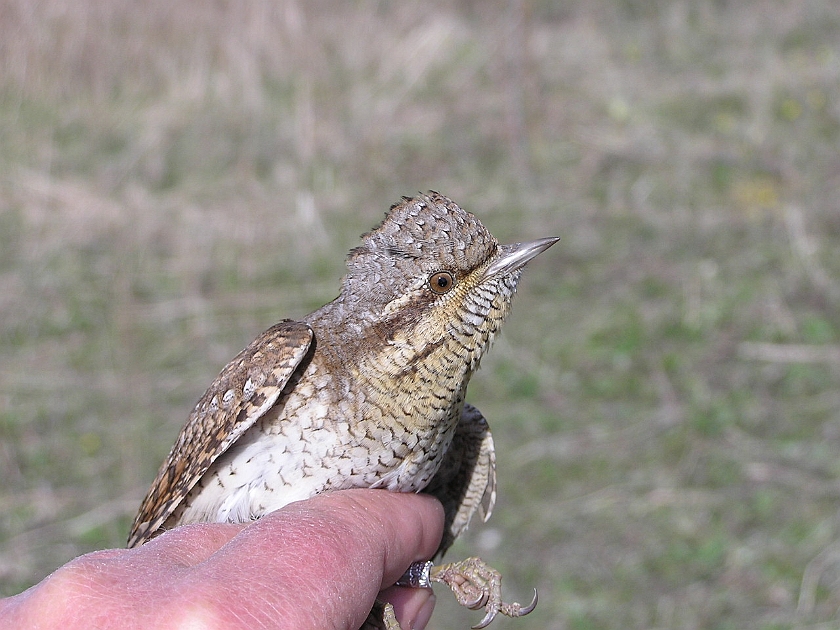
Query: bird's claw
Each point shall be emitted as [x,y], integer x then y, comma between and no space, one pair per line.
[527,609]
[477,585]
[480,601]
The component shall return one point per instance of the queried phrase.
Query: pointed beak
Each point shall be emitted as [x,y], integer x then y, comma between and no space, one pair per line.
[515,255]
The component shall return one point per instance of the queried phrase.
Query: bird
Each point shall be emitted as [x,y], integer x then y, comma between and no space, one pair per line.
[366,391]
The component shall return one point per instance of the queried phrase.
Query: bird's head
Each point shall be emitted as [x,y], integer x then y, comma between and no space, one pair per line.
[432,273]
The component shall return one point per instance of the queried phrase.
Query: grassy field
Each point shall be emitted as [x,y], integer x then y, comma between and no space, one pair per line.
[176,177]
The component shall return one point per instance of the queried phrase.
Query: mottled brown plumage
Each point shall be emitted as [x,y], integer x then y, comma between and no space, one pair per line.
[367,391]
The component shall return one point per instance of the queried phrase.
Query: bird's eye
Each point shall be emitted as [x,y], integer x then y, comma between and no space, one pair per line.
[441,282]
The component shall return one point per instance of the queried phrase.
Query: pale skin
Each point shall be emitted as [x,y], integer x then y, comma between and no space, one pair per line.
[319,563]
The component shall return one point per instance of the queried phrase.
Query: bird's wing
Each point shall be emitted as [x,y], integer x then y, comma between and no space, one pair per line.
[245,389]
[466,480]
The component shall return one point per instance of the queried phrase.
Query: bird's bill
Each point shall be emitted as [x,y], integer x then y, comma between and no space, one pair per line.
[515,255]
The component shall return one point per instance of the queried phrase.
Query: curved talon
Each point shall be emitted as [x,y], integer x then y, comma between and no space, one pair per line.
[479,602]
[490,616]
[530,607]
[510,610]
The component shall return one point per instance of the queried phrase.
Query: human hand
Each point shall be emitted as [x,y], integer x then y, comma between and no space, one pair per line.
[312,564]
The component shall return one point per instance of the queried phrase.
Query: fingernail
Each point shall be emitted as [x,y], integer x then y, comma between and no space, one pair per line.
[425,613]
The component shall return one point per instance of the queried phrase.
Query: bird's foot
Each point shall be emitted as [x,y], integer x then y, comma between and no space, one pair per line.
[477,585]
[382,617]
[389,618]
[474,584]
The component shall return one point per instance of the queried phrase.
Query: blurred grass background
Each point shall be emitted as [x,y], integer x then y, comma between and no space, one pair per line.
[176,177]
